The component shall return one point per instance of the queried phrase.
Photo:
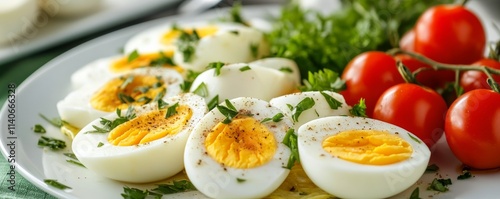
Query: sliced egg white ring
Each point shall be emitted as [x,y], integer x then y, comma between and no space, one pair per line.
[321,107]
[216,180]
[284,65]
[76,109]
[148,162]
[243,80]
[96,72]
[346,179]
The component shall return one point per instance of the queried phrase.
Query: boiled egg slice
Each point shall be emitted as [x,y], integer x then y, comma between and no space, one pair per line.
[355,157]
[18,21]
[102,69]
[238,155]
[303,107]
[242,80]
[136,87]
[287,66]
[196,45]
[146,148]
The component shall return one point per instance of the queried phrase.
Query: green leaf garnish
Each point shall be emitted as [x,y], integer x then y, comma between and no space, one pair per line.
[323,80]
[213,102]
[415,139]
[162,60]
[332,102]
[51,143]
[186,43]
[100,144]
[235,14]
[56,184]
[465,175]
[175,187]
[70,155]
[254,49]
[415,194]
[78,163]
[133,55]
[144,99]
[290,140]
[240,180]
[229,111]
[160,95]
[134,193]
[217,66]
[286,69]
[126,82]
[276,118]
[359,109]
[38,128]
[440,185]
[57,122]
[201,90]
[245,68]
[124,98]
[172,110]
[432,168]
[162,104]
[302,106]
[108,125]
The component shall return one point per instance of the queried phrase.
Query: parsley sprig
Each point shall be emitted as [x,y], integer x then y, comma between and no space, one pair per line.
[290,140]
[229,111]
[108,125]
[323,80]
[51,143]
[305,104]
[186,43]
[162,189]
[359,109]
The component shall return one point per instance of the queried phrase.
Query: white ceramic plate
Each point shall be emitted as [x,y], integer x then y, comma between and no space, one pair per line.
[40,92]
[58,30]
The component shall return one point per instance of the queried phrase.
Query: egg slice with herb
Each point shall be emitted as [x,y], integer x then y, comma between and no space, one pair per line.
[196,45]
[142,144]
[134,88]
[287,66]
[105,68]
[242,80]
[303,107]
[355,157]
[236,150]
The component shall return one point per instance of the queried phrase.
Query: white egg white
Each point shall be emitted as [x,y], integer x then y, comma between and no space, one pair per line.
[218,181]
[236,81]
[148,162]
[76,109]
[320,109]
[281,64]
[347,179]
[17,19]
[95,72]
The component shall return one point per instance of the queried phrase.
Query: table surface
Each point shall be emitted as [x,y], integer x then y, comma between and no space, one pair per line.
[16,71]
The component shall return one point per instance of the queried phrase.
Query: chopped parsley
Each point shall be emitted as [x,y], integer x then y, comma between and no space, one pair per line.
[75,162]
[38,128]
[51,143]
[213,102]
[57,122]
[100,144]
[290,140]
[70,155]
[161,189]
[229,111]
[432,168]
[108,125]
[302,106]
[415,194]
[332,102]
[186,43]
[144,99]
[276,118]
[172,110]
[240,180]
[162,60]
[414,138]
[201,90]
[133,56]
[124,98]
[162,104]
[245,68]
[323,80]
[440,185]
[216,66]
[254,49]
[188,81]
[126,82]
[466,174]
[134,193]
[359,109]
[56,184]
[286,69]
[160,95]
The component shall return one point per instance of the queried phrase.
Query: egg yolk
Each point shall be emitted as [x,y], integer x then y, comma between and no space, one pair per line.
[368,147]
[169,37]
[121,92]
[149,127]
[243,143]
[123,64]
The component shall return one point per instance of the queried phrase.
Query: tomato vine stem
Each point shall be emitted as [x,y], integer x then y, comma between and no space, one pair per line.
[455,67]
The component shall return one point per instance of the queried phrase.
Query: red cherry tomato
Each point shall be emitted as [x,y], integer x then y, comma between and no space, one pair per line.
[450,34]
[367,76]
[471,80]
[417,109]
[407,41]
[472,128]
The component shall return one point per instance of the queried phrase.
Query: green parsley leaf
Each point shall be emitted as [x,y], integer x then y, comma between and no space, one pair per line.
[240,180]
[100,144]
[144,99]
[217,66]
[38,128]
[175,187]
[201,90]
[70,155]
[323,80]
[160,95]
[188,81]
[108,125]
[162,60]
[302,106]
[124,98]
[186,43]
[133,55]
[414,138]
[290,140]
[229,111]
[440,185]
[162,104]
[245,68]
[359,109]
[286,69]
[51,143]
[432,168]
[75,163]
[332,102]
[133,193]
[142,89]
[172,110]
[415,194]
[465,175]
[276,118]
[127,81]
[235,14]
[56,184]
[57,122]
[213,102]
[254,49]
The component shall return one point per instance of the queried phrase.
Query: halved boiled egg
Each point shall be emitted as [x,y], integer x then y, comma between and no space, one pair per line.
[355,157]
[149,146]
[287,66]
[105,68]
[236,150]
[242,80]
[136,87]
[306,106]
[196,45]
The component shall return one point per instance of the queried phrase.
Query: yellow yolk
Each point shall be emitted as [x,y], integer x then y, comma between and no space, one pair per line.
[108,99]
[149,127]
[169,37]
[243,143]
[368,147]
[123,64]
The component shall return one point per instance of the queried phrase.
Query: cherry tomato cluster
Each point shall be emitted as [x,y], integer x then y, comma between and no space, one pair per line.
[448,34]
